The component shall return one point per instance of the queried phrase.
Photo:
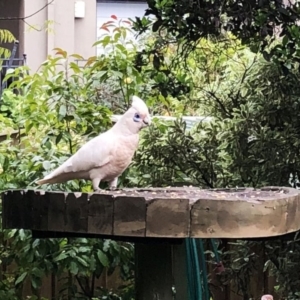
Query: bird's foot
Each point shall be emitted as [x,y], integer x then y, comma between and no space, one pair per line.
[112,188]
[98,191]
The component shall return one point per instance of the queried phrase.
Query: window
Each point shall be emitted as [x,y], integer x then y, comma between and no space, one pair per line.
[121,9]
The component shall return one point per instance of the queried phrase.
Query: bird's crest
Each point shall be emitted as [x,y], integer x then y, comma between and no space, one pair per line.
[139,104]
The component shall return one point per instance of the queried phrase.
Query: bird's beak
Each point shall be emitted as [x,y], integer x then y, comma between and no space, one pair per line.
[147,121]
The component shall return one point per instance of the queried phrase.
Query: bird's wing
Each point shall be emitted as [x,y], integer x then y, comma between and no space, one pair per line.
[94,154]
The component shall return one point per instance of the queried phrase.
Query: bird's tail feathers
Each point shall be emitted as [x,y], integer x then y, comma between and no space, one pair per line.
[48,180]
[63,177]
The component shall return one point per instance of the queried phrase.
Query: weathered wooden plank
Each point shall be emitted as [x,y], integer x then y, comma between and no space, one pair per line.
[245,219]
[12,214]
[56,211]
[153,271]
[26,208]
[100,215]
[227,213]
[129,216]
[168,218]
[40,206]
[293,213]
[76,215]
[5,209]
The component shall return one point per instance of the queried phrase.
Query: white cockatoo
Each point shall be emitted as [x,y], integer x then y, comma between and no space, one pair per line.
[267,297]
[105,157]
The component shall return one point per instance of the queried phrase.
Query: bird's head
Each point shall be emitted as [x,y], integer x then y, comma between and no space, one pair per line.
[141,117]
[135,118]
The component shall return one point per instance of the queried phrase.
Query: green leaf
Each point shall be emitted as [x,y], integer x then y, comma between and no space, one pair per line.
[61,256]
[106,41]
[21,278]
[285,40]
[73,268]
[83,249]
[79,57]
[22,234]
[63,110]
[82,261]
[36,282]
[58,138]
[35,243]
[156,62]
[11,233]
[146,176]
[156,25]
[46,164]
[37,272]
[106,245]
[117,36]
[75,67]
[121,47]
[102,258]
[117,74]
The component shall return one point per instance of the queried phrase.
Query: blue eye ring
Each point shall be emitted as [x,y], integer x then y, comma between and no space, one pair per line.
[137,117]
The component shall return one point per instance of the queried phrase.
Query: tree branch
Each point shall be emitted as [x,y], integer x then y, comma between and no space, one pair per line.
[23,18]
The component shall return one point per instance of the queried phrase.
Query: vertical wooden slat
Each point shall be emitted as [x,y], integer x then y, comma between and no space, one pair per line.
[153,271]
[180,271]
[56,211]
[40,207]
[17,211]
[76,213]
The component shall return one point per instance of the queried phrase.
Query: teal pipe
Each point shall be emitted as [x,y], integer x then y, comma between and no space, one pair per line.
[193,270]
[188,265]
[196,271]
[204,270]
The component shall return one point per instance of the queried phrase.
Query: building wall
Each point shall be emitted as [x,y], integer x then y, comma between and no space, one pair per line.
[56,26]
[35,38]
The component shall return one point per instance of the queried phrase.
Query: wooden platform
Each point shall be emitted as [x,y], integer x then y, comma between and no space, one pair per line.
[156,212]
[157,220]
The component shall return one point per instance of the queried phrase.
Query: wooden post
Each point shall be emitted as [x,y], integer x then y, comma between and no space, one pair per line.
[153,271]
[180,271]
[159,268]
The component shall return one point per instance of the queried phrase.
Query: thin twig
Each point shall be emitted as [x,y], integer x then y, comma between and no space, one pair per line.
[23,18]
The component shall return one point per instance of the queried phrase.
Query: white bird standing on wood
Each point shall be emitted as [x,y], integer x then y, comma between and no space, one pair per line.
[267,297]
[107,156]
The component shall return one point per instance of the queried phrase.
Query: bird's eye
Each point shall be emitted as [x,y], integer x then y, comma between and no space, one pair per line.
[137,118]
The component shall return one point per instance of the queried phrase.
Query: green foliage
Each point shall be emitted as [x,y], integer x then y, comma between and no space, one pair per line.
[55,110]
[5,37]
[256,23]
[250,137]
[83,259]
[242,261]
[122,70]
